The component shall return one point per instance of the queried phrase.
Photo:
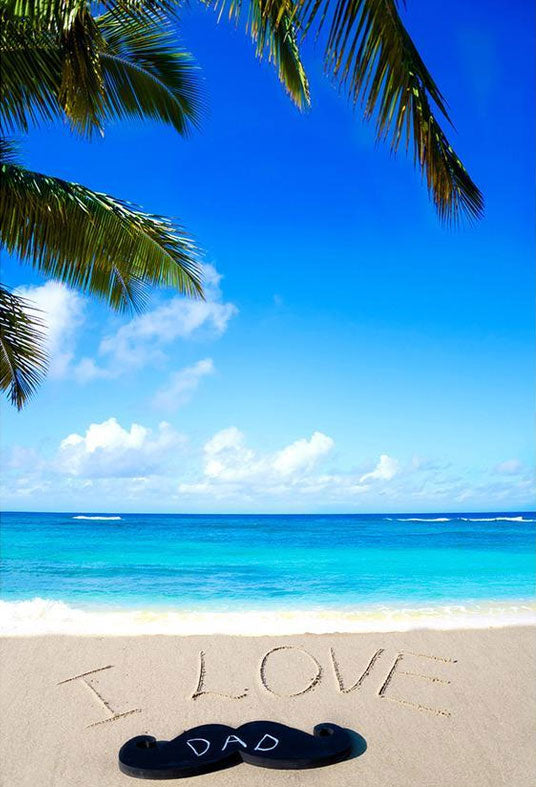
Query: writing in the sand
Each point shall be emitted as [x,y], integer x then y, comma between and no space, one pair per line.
[292,671]
[307,672]
[85,679]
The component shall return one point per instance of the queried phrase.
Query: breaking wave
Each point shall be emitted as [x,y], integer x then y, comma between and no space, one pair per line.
[496,519]
[422,519]
[465,519]
[99,518]
[45,616]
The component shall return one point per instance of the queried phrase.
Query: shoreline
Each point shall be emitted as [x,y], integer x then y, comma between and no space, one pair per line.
[430,705]
[38,616]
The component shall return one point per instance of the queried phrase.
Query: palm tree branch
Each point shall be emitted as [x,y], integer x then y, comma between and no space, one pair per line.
[81,92]
[270,24]
[23,360]
[60,59]
[31,75]
[371,55]
[146,75]
[93,241]
[60,14]
[272,28]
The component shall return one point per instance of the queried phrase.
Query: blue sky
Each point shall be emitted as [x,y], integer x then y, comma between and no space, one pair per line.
[354,354]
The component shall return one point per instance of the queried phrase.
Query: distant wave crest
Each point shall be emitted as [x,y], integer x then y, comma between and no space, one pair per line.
[466,519]
[422,519]
[46,616]
[496,519]
[100,518]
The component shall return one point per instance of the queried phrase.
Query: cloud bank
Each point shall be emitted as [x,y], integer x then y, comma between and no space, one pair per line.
[110,466]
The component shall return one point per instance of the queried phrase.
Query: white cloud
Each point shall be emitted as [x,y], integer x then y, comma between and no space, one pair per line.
[63,313]
[509,467]
[233,470]
[142,339]
[109,450]
[303,454]
[87,370]
[385,470]
[182,384]
[227,459]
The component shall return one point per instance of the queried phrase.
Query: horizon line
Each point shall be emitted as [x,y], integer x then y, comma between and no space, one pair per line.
[267,513]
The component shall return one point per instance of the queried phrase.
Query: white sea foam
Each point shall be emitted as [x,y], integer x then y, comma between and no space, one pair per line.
[496,519]
[42,616]
[422,519]
[466,519]
[99,518]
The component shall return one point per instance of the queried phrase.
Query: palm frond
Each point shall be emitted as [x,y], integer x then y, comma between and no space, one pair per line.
[92,241]
[271,25]
[60,14]
[81,92]
[9,151]
[59,58]
[23,360]
[146,75]
[31,75]
[370,54]
[46,13]
[450,186]
[50,53]
[272,28]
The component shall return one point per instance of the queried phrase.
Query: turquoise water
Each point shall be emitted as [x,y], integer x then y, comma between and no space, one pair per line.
[255,562]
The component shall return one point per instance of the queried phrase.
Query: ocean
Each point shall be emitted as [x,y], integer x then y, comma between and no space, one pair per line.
[136,573]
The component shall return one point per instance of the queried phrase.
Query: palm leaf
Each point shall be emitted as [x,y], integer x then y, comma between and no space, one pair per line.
[270,23]
[81,92]
[91,241]
[31,75]
[453,191]
[68,28]
[371,55]
[60,14]
[23,360]
[60,59]
[272,28]
[145,74]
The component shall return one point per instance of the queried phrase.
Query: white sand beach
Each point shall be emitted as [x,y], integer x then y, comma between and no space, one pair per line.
[436,708]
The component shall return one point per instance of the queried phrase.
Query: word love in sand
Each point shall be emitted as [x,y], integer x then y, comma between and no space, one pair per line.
[297,663]
[291,671]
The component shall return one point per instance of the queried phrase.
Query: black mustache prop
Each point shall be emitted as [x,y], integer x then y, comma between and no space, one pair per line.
[211,747]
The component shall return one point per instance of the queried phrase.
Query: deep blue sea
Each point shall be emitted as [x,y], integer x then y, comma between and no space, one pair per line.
[206,563]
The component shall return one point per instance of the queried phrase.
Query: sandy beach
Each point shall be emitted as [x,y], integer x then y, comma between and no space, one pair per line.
[439,708]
